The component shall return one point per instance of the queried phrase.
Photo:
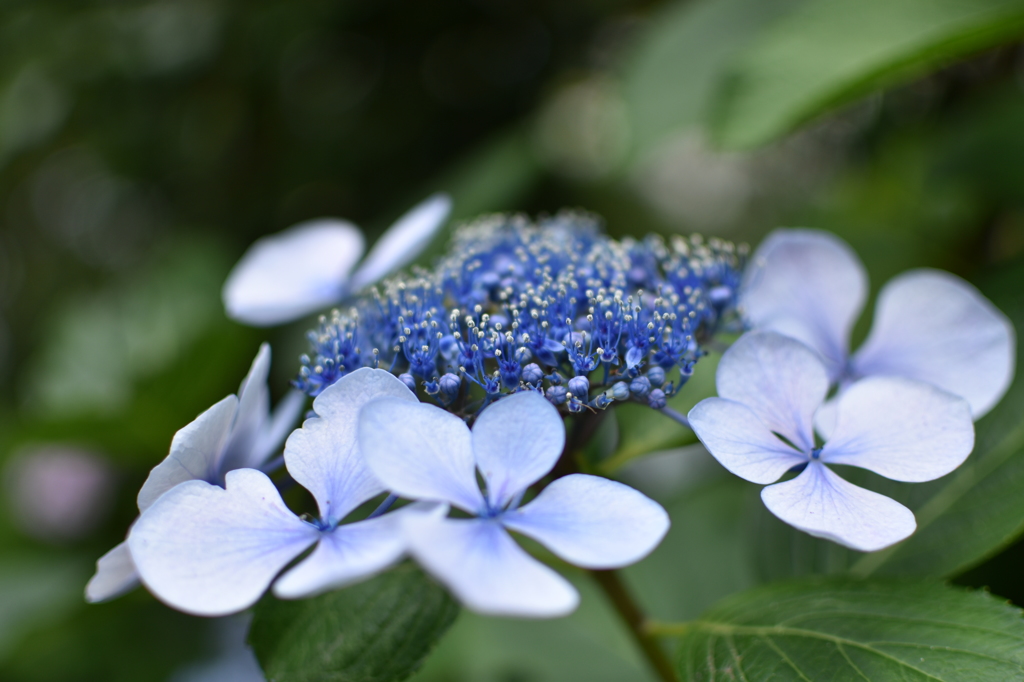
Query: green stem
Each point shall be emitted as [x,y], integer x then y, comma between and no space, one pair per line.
[629,611]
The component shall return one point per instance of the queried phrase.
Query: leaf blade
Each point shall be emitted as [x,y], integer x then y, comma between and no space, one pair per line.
[842,629]
[825,54]
[377,631]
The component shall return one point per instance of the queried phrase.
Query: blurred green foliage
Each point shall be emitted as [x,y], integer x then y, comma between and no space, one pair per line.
[144,145]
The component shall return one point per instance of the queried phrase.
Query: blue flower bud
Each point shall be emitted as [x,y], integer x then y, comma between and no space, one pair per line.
[431,387]
[555,378]
[575,405]
[407,379]
[603,400]
[656,375]
[533,374]
[580,387]
[656,399]
[556,394]
[620,390]
[640,387]
[450,385]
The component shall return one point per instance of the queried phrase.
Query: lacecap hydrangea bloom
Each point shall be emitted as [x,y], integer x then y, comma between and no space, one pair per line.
[555,306]
[237,432]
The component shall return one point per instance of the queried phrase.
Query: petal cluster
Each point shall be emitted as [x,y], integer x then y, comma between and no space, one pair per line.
[212,551]
[762,426]
[309,266]
[553,305]
[234,433]
[419,451]
[929,325]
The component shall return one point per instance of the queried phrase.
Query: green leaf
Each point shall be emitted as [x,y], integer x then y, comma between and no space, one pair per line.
[377,631]
[841,629]
[677,68]
[830,52]
[962,518]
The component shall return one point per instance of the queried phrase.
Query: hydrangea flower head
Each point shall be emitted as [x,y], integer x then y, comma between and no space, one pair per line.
[422,452]
[234,433]
[519,305]
[761,426]
[212,551]
[309,266]
[929,325]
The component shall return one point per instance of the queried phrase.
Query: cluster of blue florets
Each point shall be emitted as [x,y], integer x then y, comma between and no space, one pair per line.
[554,306]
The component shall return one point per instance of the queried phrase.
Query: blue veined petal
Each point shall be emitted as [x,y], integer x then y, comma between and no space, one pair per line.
[900,428]
[420,452]
[781,380]
[195,452]
[633,357]
[211,551]
[292,273]
[515,442]
[115,575]
[935,327]
[403,241]
[809,285]
[741,442]
[324,456]
[592,522]
[822,504]
[486,570]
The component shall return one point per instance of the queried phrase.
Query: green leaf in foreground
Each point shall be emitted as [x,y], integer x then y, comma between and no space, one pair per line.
[840,629]
[377,631]
[830,52]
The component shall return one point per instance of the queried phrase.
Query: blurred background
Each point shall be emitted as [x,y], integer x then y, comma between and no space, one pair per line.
[145,145]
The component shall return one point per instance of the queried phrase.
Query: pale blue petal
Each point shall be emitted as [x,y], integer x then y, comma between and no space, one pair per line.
[781,380]
[809,285]
[403,241]
[195,452]
[293,273]
[253,413]
[487,571]
[420,452]
[352,552]
[903,429]
[324,457]
[822,504]
[516,440]
[741,442]
[280,424]
[825,419]
[115,575]
[592,522]
[211,551]
[935,327]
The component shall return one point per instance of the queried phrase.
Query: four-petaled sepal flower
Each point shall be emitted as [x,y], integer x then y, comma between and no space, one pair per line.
[234,433]
[422,452]
[212,551]
[761,426]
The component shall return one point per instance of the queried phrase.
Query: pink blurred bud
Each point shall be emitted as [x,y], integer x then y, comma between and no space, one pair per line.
[58,493]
